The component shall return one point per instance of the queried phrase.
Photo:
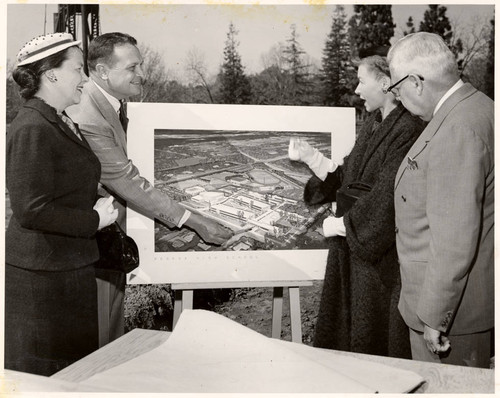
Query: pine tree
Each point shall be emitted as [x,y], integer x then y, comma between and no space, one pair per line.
[234,84]
[298,84]
[436,21]
[336,61]
[370,26]
[293,54]
[410,25]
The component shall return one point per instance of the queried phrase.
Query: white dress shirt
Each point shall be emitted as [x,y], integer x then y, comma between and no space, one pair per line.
[115,103]
[448,94]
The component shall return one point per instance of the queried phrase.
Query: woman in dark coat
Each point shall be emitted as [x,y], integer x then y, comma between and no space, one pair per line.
[358,310]
[52,179]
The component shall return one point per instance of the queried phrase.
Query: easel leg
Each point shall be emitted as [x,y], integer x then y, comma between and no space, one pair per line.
[277,312]
[177,307]
[295,319]
[183,301]
[187,299]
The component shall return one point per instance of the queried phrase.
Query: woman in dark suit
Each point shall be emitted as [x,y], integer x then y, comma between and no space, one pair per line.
[52,179]
[358,310]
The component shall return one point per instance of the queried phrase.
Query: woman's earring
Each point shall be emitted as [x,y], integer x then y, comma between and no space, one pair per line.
[52,78]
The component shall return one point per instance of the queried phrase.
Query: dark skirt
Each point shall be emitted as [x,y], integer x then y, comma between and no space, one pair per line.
[359,305]
[50,318]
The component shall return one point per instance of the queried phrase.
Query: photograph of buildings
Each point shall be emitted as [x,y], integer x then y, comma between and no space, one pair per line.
[243,180]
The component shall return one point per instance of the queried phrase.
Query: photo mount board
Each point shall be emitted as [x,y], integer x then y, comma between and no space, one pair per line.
[226,267]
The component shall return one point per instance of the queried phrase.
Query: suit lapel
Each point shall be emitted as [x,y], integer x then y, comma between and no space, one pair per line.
[71,135]
[420,144]
[103,106]
[83,141]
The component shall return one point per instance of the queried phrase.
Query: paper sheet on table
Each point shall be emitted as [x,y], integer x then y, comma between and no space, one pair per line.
[27,385]
[210,353]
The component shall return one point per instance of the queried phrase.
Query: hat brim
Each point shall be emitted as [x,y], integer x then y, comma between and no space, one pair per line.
[50,51]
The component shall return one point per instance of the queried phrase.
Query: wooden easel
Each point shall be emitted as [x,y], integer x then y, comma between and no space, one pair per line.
[184,300]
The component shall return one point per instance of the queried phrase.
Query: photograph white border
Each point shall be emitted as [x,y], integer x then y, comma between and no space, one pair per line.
[226,266]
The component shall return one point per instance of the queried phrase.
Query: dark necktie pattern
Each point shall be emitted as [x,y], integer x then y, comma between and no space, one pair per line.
[122,114]
[70,124]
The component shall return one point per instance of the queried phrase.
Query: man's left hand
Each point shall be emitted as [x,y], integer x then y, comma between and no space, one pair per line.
[436,341]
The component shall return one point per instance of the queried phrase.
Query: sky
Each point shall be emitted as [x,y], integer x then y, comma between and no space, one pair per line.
[174,30]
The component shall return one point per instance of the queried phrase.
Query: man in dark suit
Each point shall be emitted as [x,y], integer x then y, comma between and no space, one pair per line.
[115,66]
[444,202]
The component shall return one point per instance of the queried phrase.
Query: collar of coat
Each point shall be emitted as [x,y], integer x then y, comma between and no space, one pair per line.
[50,113]
[45,109]
[378,129]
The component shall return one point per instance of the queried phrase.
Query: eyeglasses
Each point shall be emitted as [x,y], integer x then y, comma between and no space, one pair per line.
[395,90]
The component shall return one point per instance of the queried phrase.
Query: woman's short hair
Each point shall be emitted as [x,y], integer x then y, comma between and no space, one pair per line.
[28,77]
[376,64]
[102,47]
[423,53]
[373,50]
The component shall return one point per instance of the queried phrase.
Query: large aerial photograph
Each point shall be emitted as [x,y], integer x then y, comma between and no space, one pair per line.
[243,180]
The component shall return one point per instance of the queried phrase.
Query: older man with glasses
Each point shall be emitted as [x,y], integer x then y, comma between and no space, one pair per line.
[444,204]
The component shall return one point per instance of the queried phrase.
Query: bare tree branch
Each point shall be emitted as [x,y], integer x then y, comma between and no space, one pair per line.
[474,38]
[197,70]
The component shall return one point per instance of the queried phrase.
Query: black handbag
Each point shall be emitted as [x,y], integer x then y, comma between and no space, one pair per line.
[348,195]
[117,250]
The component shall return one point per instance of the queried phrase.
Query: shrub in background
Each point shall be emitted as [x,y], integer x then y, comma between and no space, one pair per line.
[151,306]
[148,307]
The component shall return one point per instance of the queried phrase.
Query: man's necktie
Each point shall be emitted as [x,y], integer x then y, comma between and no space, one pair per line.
[122,114]
[65,118]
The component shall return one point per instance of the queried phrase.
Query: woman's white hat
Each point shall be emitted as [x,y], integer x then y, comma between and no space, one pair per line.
[42,46]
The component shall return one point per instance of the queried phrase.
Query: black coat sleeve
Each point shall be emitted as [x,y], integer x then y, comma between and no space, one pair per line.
[317,191]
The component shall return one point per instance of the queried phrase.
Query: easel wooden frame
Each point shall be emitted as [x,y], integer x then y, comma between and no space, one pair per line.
[184,300]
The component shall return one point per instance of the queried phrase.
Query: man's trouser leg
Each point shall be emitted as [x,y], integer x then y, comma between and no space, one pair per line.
[110,304]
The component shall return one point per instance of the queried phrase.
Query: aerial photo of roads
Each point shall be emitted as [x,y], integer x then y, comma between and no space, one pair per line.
[245,181]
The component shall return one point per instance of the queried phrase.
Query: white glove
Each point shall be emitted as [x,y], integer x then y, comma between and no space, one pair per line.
[106,211]
[300,150]
[333,226]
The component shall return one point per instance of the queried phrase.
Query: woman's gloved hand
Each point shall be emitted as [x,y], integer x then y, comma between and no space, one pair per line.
[300,150]
[107,212]
[333,226]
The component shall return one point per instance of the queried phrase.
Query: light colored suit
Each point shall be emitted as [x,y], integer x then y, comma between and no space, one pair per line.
[101,126]
[444,202]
